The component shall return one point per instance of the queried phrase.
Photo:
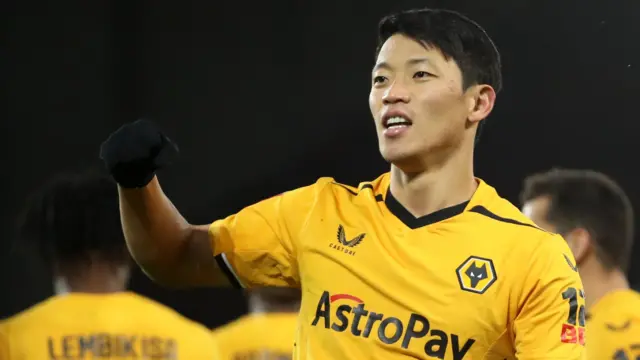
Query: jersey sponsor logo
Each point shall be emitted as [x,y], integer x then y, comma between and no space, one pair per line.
[111,346]
[476,274]
[573,330]
[344,245]
[388,329]
[573,267]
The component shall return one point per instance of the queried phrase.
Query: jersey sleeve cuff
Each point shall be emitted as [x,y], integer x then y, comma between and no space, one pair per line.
[227,269]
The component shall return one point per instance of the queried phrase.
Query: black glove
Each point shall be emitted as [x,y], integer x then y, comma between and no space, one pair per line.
[134,152]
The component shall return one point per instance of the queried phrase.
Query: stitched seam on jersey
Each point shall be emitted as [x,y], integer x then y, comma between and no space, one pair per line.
[493,343]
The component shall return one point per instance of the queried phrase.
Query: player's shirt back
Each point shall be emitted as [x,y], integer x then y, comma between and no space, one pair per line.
[614,327]
[258,336]
[97,326]
[473,281]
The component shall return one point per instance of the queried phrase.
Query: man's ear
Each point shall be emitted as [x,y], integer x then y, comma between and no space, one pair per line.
[579,241]
[481,101]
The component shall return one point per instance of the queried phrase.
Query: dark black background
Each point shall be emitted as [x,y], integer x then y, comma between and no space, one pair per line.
[266,96]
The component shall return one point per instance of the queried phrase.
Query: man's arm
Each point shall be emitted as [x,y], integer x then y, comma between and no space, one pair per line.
[168,249]
[550,324]
[253,247]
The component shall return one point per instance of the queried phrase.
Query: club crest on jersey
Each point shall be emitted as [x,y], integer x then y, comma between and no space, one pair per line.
[476,274]
[346,245]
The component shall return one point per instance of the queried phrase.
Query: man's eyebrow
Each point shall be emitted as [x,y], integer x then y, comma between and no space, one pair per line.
[412,61]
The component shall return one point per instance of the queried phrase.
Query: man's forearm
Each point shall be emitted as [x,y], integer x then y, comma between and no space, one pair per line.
[156,233]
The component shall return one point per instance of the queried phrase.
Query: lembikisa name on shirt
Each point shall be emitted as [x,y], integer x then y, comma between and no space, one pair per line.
[111,346]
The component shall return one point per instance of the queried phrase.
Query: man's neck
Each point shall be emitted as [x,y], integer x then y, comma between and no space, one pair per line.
[63,286]
[598,282]
[94,279]
[428,191]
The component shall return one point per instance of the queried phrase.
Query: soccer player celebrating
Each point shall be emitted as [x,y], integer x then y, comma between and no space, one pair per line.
[596,218]
[268,331]
[74,221]
[425,261]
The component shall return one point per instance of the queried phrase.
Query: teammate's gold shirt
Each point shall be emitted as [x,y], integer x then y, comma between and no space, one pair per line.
[614,327]
[91,326]
[473,281]
[266,336]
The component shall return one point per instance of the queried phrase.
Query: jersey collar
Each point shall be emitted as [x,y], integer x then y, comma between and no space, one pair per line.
[483,193]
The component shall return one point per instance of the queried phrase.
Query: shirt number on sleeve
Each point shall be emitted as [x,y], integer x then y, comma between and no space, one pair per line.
[573,330]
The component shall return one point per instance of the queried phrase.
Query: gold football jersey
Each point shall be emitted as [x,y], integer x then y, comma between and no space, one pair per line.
[614,327]
[103,326]
[266,336]
[473,281]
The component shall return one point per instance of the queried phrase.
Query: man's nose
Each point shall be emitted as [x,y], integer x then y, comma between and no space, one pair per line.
[396,93]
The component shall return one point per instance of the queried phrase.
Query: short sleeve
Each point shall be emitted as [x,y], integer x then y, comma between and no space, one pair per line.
[257,245]
[550,323]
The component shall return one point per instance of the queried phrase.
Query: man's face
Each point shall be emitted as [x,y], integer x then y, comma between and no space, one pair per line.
[422,91]
[537,210]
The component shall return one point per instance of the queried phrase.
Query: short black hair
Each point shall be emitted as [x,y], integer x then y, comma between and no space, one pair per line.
[456,36]
[72,216]
[590,200]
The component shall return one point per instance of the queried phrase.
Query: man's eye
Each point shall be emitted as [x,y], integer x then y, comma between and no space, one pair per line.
[379,79]
[421,74]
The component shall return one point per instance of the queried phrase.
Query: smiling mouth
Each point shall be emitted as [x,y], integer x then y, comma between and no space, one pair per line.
[395,126]
[396,122]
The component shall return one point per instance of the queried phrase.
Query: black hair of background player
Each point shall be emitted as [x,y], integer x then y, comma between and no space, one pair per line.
[456,36]
[74,217]
[590,200]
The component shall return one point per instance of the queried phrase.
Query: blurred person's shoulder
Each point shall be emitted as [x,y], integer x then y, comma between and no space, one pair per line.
[79,318]
[613,325]
[247,334]
[616,310]
[194,339]
[241,325]
[141,306]
[238,335]
[120,307]
[32,316]
[255,323]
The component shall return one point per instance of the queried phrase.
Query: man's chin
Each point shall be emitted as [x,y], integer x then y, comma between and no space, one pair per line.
[399,158]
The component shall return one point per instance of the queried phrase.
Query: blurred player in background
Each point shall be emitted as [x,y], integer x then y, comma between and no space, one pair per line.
[267,332]
[595,217]
[425,261]
[74,222]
